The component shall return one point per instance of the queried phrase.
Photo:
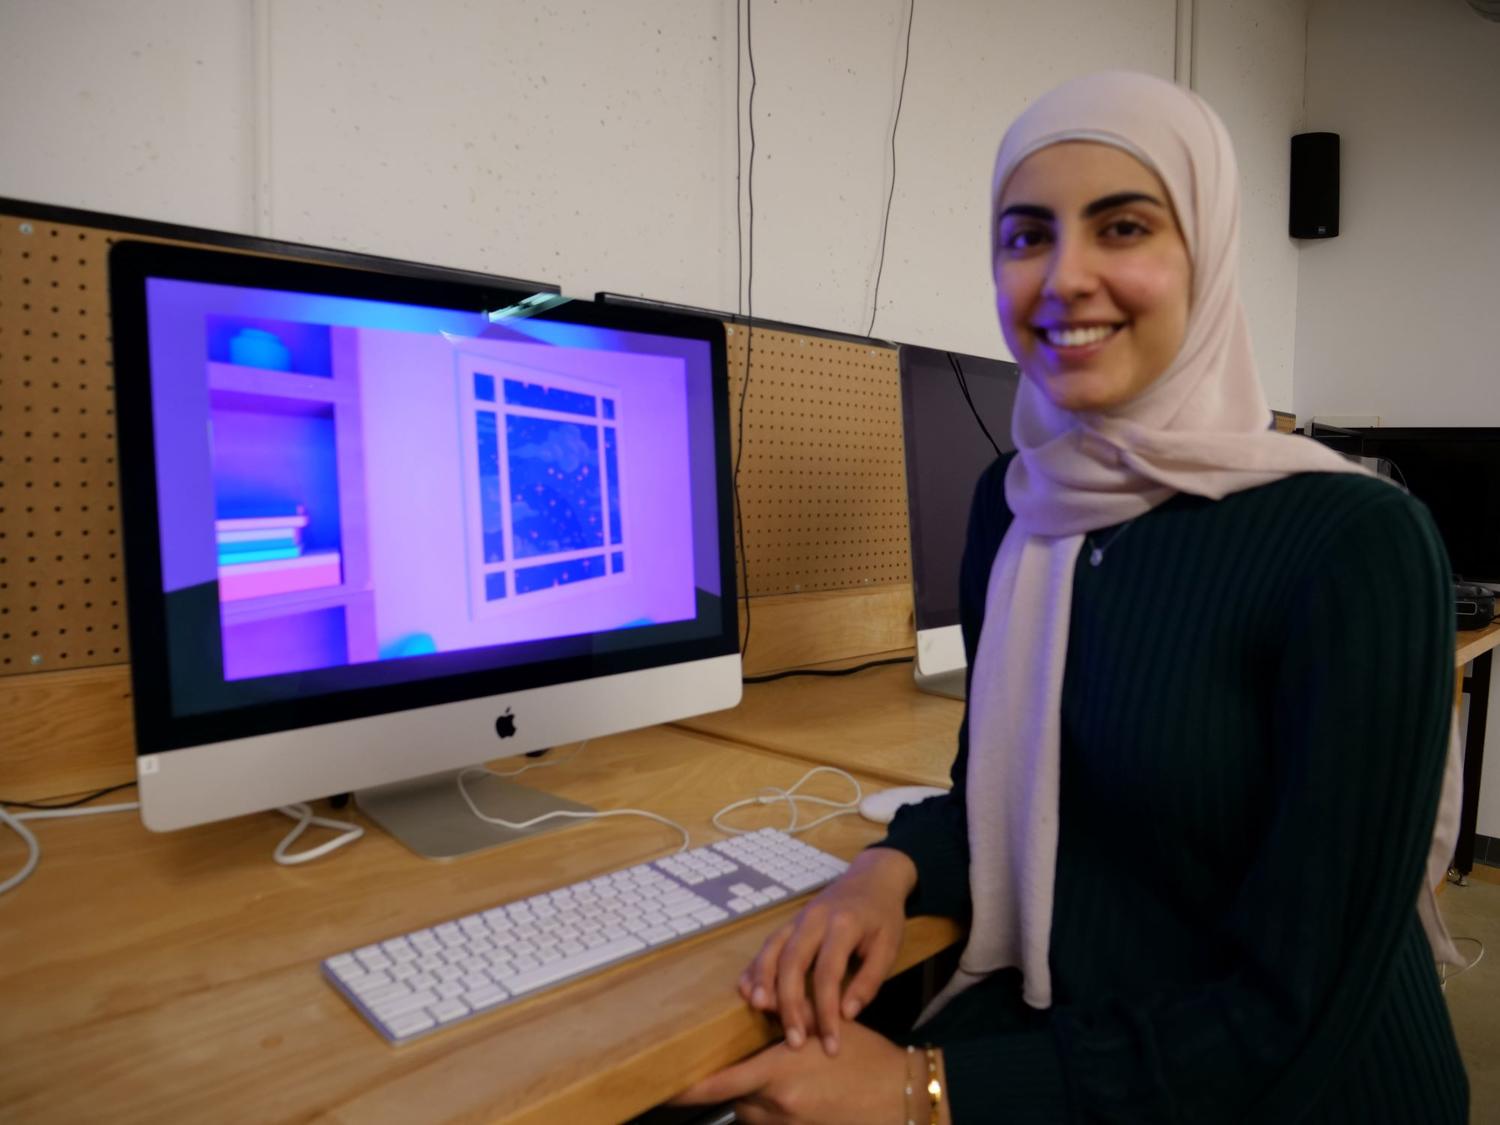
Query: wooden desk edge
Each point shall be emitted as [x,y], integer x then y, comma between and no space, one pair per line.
[665,1068]
[1477,642]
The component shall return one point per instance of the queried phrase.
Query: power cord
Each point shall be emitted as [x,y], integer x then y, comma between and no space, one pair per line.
[34,849]
[94,796]
[739,447]
[826,671]
[886,225]
[772,794]
[303,815]
[566,813]
[963,385]
[1444,976]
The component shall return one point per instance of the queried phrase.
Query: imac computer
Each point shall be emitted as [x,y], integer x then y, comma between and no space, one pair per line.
[956,415]
[380,528]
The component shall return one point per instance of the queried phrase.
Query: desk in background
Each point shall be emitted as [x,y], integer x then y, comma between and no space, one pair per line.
[176,977]
[877,722]
[1479,646]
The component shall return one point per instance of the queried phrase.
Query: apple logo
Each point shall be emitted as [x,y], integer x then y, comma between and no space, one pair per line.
[505,725]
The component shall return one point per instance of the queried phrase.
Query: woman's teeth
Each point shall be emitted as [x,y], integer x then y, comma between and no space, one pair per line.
[1078,337]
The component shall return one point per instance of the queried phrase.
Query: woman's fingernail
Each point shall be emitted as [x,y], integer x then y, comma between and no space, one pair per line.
[851,1009]
[794,1037]
[759,998]
[831,1044]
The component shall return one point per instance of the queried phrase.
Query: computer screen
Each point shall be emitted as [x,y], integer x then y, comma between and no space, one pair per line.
[379,526]
[946,451]
[1455,472]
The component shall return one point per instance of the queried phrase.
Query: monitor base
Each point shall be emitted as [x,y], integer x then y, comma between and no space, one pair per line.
[949,683]
[430,816]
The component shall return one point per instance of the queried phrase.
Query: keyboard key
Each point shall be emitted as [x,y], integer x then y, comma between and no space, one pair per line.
[525,982]
[403,1026]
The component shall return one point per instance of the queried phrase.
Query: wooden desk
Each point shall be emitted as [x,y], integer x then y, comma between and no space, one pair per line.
[175,977]
[874,722]
[1477,645]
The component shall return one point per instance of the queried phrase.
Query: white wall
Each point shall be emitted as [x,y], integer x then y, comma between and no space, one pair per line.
[1396,316]
[140,108]
[592,143]
[1249,64]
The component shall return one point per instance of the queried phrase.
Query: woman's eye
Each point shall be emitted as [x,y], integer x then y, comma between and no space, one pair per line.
[1024,238]
[1125,228]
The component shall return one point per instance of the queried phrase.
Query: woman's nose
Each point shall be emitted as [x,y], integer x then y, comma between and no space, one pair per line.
[1072,270]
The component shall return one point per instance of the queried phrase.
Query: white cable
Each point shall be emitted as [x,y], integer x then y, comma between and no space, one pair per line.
[540,765]
[1444,976]
[517,825]
[771,794]
[34,849]
[302,814]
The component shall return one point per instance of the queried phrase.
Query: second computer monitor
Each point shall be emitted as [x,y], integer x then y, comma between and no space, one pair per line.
[948,402]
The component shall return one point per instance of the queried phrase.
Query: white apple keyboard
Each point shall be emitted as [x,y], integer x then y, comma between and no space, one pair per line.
[436,977]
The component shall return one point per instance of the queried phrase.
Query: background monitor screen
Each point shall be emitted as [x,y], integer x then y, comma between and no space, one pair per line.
[1456,473]
[946,451]
[351,495]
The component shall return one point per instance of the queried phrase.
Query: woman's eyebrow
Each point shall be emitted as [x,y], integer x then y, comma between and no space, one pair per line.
[1105,203]
[1119,199]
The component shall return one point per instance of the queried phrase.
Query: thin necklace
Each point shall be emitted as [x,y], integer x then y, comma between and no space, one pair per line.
[1096,555]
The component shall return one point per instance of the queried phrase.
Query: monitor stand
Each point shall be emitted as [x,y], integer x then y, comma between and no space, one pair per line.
[949,682]
[430,816]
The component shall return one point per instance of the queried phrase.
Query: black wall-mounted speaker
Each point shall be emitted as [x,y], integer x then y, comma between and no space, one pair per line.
[1315,186]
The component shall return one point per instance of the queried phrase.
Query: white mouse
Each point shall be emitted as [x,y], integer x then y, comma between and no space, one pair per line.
[881,807]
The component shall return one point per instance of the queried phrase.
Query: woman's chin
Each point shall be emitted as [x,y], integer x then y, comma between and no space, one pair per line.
[1085,394]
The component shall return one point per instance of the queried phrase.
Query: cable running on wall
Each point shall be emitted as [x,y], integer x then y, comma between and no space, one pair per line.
[891,195]
[739,447]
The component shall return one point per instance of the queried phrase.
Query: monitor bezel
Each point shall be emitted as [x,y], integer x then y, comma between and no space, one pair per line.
[158,728]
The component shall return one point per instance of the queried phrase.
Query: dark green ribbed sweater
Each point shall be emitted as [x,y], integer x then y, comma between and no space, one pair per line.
[1254,720]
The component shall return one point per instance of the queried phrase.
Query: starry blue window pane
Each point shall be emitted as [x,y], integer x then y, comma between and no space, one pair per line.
[494,586]
[617,562]
[609,408]
[612,464]
[489,487]
[540,397]
[556,501]
[532,578]
[484,387]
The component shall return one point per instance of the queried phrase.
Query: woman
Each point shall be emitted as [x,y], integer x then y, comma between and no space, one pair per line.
[1192,821]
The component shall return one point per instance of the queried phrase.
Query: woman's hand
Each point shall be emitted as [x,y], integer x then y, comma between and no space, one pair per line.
[862,912]
[864,1085]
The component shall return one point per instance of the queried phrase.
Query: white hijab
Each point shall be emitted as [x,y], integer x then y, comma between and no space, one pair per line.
[1201,428]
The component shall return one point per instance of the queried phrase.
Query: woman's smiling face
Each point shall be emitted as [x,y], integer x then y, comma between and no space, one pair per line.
[1092,276]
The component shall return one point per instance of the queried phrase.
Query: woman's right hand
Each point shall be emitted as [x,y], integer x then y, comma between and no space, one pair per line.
[861,913]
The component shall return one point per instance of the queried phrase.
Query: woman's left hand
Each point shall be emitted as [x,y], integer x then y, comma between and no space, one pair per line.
[864,1084]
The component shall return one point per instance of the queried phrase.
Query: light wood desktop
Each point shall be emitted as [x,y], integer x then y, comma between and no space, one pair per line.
[176,977]
[875,721]
[878,722]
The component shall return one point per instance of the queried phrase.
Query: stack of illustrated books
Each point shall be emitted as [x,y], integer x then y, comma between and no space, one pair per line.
[262,554]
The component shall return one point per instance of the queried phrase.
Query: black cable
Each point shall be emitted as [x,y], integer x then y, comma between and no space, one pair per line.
[739,449]
[886,226]
[963,385]
[69,804]
[827,672]
[739,161]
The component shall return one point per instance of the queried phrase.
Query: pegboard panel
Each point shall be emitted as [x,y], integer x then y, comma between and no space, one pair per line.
[61,574]
[823,477]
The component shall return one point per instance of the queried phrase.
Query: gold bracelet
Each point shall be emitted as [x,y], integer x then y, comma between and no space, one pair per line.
[911,1117]
[934,1085]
